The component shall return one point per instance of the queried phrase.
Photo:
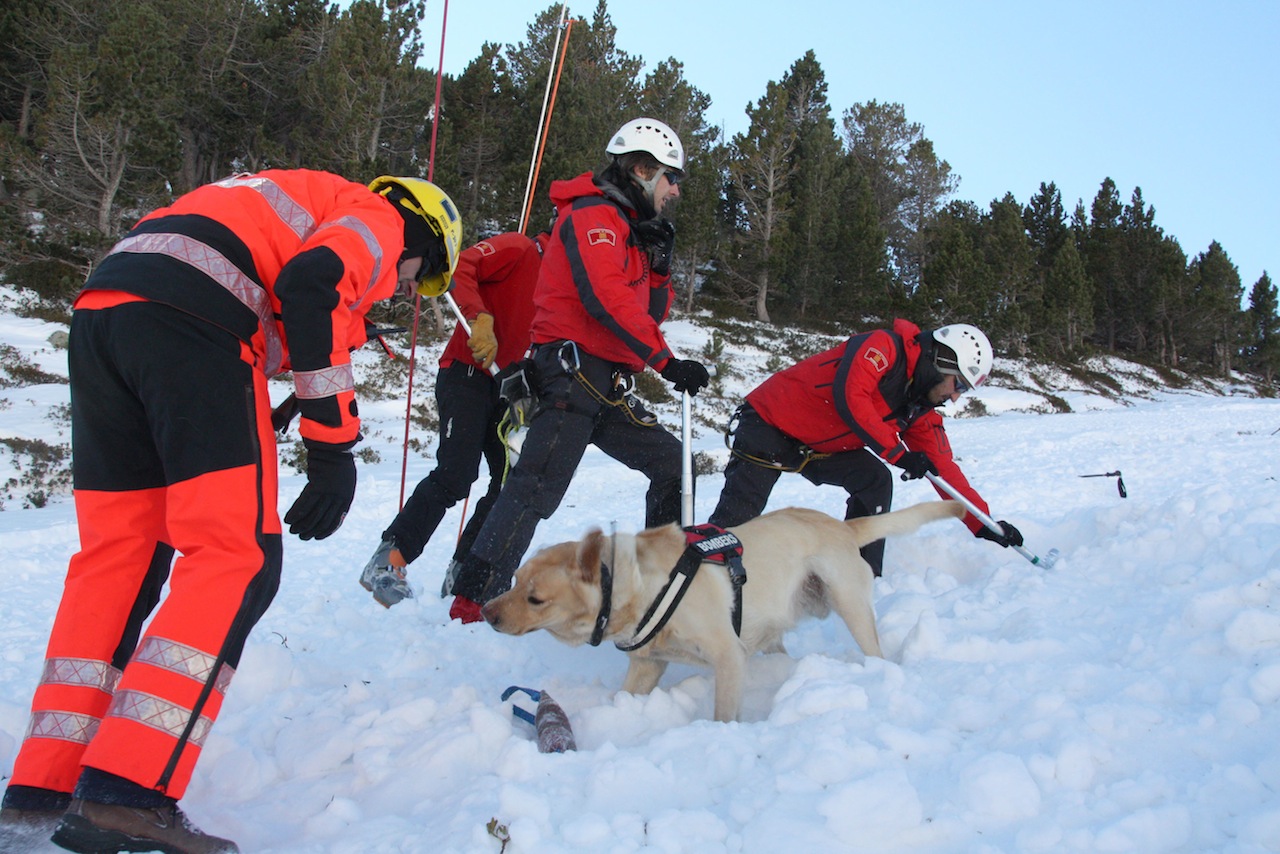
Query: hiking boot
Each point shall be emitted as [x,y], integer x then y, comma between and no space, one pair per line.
[465,610]
[384,575]
[450,576]
[89,826]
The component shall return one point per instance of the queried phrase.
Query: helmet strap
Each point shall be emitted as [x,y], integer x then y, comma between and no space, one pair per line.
[648,185]
[926,374]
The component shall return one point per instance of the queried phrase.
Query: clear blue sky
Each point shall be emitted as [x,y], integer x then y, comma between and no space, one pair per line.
[1181,99]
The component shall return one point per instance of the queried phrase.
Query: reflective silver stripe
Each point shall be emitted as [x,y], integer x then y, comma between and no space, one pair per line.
[214,264]
[295,217]
[159,714]
[80,671]
[324,382]
[301,223]
[64,726]
[183,660]
[370,242]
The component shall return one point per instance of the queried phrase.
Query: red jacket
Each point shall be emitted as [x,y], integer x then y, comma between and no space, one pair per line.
[595,287]
[854,396]
[288,260]
[497,276]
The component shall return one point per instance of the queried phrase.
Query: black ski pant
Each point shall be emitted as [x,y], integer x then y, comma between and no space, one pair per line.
[762,452]
[470,410]
[569,417]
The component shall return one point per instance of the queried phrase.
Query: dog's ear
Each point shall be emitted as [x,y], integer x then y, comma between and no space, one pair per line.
[589,551]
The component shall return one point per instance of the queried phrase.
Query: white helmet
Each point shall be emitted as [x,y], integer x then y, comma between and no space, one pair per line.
[963,351]
[649,135]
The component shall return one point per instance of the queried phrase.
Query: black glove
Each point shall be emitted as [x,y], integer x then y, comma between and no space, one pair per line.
[915,464]
[323,504]
[686,375]
[659,237]
[1011,536]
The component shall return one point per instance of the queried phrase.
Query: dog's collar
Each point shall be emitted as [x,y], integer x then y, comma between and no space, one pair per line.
[606,604]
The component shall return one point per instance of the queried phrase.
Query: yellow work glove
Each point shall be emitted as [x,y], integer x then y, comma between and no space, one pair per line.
[483,344]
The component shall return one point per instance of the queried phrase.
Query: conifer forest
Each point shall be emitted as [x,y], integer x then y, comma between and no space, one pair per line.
[830,216]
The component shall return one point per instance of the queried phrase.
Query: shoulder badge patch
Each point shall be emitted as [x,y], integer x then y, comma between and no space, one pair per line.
[877,359]
[596,236]
[485,247]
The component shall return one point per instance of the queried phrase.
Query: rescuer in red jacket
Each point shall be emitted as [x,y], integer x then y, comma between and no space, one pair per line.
[835,416]
[493,288]
[173,339]
[602,292]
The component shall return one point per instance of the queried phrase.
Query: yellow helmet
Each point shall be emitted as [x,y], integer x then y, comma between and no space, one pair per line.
[433,205]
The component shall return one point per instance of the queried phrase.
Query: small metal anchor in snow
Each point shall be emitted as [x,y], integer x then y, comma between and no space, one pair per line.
[1116,475]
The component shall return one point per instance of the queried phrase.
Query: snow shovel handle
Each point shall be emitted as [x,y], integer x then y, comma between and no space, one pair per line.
[453,304]
[991,524]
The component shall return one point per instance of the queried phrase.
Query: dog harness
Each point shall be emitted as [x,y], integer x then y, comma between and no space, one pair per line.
[703,543]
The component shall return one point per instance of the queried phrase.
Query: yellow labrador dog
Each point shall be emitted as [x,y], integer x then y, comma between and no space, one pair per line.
[798,562]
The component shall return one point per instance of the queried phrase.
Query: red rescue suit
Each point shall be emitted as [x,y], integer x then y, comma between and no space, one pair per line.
[172,342]
[857,395]
[497,276]
[596,287]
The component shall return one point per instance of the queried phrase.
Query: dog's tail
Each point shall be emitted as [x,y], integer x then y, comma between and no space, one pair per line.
[868,529]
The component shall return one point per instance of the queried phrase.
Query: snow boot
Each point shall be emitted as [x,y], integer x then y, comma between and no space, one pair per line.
[89,826]
[465,610]
[384,575]
[450,577]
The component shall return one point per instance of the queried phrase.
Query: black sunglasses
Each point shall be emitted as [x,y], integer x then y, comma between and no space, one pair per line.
[674,178]
[961,385]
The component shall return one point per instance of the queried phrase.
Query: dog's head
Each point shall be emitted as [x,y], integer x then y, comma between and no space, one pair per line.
[558,589]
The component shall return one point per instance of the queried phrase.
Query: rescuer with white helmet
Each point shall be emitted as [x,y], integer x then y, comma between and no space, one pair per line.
[838,416]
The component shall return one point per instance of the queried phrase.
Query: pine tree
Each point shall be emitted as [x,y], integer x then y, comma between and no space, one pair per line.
[865,293]
[368,105]
[958,284]
[1168,311]
[908,182]
[1068,303]
[761,171]
[1263,336]
[1102,252]
[808,273]
[599,90]
[1045,222]
[1136,299]
[107,134]
[929,183]
[1008,256]
[1216,293]
[481,137]
[530,69]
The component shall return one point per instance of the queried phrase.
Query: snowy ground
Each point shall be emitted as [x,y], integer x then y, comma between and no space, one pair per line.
[1128,700]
